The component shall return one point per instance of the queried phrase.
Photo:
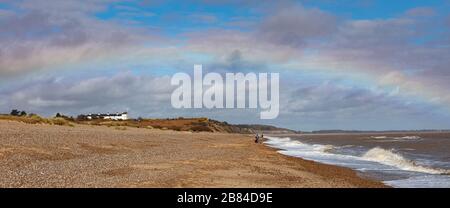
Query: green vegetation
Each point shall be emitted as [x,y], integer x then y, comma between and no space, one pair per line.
[22,116]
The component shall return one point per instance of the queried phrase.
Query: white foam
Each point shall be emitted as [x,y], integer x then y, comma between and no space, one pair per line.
[404,138]
[379,137]
[411,137]
[316,152]
[389,157]
[423,181]
[376,159]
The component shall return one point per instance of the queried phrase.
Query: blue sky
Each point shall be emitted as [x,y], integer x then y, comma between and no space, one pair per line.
[381,9]
[367,65]
[158,15]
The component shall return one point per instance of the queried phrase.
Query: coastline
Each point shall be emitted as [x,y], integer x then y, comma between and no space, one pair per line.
[40,155]
[334,172]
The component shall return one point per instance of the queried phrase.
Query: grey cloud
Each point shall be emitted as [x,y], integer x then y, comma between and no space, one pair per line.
[33,25]
[414,47]
[370,34]
[146,96]
[234,2]
[332,99]
[204,18]
[329,98]
[378,46]
[50,32]
[40,28]
[421,11]
[195,18]
[143,94]
[447,21]
[294,26]
[241,22]
[66,7]
[235,62]
[6,13]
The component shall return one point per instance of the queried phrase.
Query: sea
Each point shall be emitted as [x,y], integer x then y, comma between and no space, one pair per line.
[403,160]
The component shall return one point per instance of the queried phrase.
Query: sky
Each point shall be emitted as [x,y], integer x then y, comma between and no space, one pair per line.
[353,65]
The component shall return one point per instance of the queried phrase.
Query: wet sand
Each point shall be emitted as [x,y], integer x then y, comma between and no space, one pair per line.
[35,155]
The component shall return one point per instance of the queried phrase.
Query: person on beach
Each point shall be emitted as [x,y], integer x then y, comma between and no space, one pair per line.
[256,138]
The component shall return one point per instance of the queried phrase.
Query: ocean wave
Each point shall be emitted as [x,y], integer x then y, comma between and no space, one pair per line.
[378,137]
[410,137]
[328,148]
[391,158]
[403,138]
[325,153]
[287,143]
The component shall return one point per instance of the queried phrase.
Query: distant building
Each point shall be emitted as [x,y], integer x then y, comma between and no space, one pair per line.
[116,116]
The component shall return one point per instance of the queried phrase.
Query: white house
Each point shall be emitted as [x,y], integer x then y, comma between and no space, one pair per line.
[116,116]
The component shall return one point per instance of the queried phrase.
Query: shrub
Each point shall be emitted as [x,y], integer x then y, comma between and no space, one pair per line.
[23,113]
[15,112]
[60,122]
[35,119]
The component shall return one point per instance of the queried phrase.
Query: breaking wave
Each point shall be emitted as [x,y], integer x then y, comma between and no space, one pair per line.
[404,138]
[378,137]
[323,153]
[410,137]
[389,157]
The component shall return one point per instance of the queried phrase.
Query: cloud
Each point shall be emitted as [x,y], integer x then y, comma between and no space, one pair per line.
[63,8]
[421,11]
[221,44]
[123,91]
[295,25]
[248,3]
[5,13]
[408,53]
[52,33]
[368,48]
[203,18]
[241,22]
[381,47]
[331,98]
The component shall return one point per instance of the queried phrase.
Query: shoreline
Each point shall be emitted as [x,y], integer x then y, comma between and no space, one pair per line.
[327,170]
[40,155]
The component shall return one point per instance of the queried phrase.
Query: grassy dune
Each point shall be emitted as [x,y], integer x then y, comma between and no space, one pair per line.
[178,124]
[35,119]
